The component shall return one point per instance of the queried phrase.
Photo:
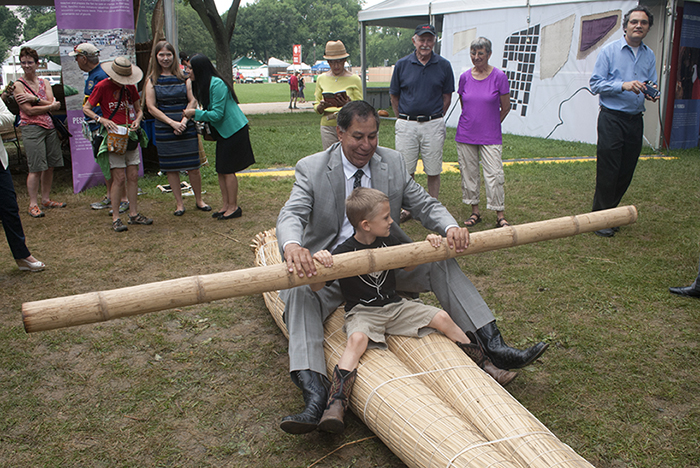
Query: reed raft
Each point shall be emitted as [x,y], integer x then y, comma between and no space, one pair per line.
[431,404]
[101,306]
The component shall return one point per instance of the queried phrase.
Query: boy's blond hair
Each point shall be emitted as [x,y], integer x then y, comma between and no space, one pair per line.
[363,204]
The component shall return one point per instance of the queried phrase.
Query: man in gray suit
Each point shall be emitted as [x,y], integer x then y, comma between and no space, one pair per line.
[314,218]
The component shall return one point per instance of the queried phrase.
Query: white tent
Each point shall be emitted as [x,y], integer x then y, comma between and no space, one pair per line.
[277,63]
[45,43]
[301,67]
[559,66]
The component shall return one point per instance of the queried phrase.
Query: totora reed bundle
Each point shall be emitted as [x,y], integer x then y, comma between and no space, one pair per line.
[429,403]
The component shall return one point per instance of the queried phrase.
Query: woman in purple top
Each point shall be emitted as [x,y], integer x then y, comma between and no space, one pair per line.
[484,94]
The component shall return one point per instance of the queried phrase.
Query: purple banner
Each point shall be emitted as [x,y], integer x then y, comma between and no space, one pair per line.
[109,26]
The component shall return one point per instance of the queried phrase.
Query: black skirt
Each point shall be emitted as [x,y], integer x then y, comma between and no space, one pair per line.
[234,154]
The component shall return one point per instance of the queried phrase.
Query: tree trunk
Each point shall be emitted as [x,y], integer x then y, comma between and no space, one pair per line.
[220,32]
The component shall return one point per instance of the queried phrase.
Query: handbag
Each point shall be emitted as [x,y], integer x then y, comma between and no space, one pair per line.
[61,129]
[208,132]
[118,140]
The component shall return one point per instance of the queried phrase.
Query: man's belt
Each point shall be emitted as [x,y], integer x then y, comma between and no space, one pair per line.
[420,118]
[624,115]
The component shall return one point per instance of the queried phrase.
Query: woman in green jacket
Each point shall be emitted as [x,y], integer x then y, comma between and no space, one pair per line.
[229,126]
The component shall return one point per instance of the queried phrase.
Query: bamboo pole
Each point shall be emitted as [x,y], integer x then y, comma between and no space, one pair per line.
[101,306]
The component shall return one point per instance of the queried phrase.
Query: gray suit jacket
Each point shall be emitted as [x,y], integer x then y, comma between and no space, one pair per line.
[315,211]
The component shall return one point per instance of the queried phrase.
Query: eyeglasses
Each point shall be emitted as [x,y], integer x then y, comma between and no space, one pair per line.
[338,61]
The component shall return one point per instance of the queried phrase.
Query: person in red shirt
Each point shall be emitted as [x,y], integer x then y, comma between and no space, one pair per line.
[294,90]
[119,100]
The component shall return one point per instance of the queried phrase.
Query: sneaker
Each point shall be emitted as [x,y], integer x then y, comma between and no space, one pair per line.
[140,219]
[118,226]
[101,205]
[123,208]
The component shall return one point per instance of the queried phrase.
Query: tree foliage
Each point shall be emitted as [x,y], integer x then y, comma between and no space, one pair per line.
[387,45]
[193,37]
[10,27]
[220,29]
[38,19]
[269,28]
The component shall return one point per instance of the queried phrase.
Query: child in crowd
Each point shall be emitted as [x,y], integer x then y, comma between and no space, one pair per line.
[373,307]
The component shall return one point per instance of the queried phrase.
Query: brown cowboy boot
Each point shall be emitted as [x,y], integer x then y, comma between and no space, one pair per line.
[476,353]
[332,419]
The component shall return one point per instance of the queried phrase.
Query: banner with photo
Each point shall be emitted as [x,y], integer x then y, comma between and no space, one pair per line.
[109,26]
[686,106]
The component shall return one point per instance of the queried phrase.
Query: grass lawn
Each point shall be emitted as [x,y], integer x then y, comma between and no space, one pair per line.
[277,92]
[206,385]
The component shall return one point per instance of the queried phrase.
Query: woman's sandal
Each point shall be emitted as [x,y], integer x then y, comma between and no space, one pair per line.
[35,212]
[501,222]
[473,220]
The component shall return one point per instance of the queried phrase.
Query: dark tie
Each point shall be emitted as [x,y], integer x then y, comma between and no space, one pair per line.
[358,178]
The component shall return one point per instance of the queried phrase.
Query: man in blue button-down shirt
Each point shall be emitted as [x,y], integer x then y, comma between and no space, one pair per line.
[619,77]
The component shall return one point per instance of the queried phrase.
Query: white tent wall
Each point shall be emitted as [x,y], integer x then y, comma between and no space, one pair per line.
[462,20]
[541,109]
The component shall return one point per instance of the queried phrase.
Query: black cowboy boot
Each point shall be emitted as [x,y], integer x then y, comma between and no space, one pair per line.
[314,387]
[476,353]
[502,355]
[332,419]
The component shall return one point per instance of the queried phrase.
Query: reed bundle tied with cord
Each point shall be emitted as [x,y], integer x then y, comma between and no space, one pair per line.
[429,403]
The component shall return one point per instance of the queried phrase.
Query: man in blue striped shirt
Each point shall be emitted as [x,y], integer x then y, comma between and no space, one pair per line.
[620,78]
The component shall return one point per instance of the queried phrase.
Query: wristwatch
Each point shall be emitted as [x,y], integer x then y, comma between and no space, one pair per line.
[38,100]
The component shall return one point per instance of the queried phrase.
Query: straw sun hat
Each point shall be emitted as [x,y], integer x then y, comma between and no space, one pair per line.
[335,50]
[122,71]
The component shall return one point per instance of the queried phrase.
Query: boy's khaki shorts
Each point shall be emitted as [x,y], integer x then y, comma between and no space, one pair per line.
[405,318]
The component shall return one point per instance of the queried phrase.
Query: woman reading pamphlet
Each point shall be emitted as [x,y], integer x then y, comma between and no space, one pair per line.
[334,89]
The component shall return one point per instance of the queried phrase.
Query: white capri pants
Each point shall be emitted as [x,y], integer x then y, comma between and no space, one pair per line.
[494,178]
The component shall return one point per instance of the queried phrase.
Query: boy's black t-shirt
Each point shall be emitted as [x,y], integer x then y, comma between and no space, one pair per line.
[373,289]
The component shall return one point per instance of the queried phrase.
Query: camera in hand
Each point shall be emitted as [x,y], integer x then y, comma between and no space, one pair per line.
[649,90]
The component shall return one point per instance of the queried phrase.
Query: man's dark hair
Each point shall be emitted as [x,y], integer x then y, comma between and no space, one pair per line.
[360,109]
[643,9]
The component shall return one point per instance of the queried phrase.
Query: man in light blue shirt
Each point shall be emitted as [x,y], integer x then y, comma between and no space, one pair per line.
[620,78]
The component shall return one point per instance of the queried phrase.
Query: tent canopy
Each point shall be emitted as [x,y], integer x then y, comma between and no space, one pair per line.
[411,13]
[245,63]
[301,67]
[320,66]
[45,43]
[277,63]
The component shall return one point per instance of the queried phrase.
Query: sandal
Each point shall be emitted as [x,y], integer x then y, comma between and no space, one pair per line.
[118,226]
[35,212]
[53,204]
[501,222]
[139,219]
[473,220]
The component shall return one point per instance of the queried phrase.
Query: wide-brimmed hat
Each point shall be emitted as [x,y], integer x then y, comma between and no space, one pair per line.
[424,28]
[123,71]
[86,49]
[335,50]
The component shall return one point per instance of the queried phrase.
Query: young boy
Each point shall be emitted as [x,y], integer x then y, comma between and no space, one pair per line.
[373,307]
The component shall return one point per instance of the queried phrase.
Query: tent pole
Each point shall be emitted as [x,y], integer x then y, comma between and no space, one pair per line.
[363,59]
